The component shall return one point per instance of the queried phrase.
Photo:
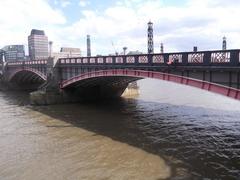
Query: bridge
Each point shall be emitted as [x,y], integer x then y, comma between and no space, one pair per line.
[108,76]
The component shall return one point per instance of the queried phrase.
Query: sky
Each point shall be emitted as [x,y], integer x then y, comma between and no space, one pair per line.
[179,25]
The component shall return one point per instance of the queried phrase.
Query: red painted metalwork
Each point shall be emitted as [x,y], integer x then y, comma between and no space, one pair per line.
[216,88]
[35,71]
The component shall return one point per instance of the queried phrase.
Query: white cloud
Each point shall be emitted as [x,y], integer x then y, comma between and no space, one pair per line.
[17,18]
[62,3]
[202,23]
[83,3]
[65,3]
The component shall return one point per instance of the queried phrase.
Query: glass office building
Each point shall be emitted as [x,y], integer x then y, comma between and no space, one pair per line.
[14,53]
[38,45]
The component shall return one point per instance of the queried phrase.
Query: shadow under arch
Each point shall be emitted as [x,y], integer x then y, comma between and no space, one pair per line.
[26,79]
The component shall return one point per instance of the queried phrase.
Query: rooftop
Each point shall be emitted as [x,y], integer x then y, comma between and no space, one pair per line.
[37,32]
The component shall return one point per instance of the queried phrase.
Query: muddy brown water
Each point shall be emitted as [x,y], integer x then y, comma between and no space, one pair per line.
[168,132]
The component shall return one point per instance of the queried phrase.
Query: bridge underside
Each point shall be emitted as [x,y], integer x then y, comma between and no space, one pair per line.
[99,87]
[111,83]
[26,80]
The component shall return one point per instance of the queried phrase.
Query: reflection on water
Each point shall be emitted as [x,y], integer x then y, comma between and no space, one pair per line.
[168,132]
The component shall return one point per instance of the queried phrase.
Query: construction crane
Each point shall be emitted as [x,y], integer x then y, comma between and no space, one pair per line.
[114,48]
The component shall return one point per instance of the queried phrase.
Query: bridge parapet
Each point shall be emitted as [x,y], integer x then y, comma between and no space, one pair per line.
[200,58]
[27,63]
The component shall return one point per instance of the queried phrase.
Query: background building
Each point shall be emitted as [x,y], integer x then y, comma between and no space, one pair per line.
[38,45]
[2,56]
[88,46]
[67,52]
[73,52]
[14,53]
[134,52]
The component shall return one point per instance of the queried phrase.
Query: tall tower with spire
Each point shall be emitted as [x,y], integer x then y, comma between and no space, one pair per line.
[224,43]
[161,48]
[150,38]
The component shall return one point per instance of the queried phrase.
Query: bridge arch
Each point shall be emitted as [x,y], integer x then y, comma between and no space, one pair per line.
[127,76]
[28,77]
[27,71]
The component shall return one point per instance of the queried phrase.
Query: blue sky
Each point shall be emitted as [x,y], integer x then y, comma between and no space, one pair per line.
[72,9]
[180,25]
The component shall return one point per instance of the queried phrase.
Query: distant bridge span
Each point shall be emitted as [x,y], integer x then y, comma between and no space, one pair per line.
[23,75]
[27,73]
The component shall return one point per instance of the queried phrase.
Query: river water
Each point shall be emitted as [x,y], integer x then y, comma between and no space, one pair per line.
[169,132]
